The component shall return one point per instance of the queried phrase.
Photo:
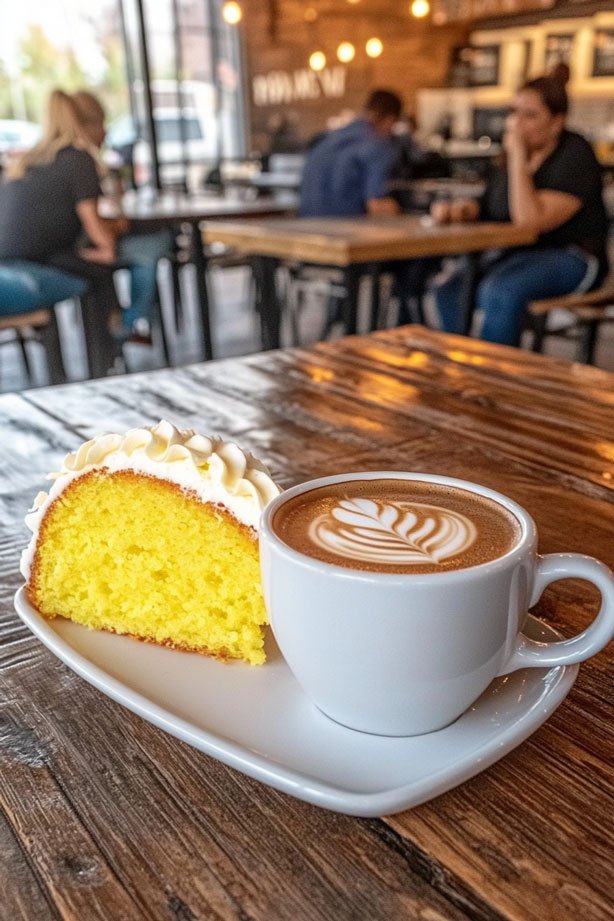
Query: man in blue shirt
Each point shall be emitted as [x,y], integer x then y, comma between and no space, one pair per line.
[347,174]
[347,171]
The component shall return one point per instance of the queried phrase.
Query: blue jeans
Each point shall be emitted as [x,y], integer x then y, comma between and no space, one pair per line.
[140,254]
[27,285]
[509,286]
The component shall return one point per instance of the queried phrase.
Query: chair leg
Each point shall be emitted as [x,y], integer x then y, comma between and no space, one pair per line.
[539,332]
[588,342]
[158,313]
[99,345]
[21,339]
[177,302]
[49,336]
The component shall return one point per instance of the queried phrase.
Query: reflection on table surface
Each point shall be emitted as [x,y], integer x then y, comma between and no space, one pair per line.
[528,838]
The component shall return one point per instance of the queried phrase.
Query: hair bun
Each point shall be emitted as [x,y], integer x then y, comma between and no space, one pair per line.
[560,73]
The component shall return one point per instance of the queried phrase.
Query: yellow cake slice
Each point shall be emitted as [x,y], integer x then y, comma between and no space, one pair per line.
[153,533]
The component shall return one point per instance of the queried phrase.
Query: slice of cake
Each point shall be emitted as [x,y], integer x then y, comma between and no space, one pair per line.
[154,534]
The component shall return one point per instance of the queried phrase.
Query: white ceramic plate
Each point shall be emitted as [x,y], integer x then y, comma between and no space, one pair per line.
[258,720]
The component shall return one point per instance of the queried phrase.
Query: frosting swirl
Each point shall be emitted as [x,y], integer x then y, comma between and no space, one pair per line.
[403,533]
[217,471]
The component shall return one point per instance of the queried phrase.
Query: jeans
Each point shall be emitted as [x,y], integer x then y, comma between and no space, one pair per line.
[508,287]
[27,285]
[140,253]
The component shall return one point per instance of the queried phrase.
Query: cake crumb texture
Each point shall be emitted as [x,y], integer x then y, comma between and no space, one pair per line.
[138,555]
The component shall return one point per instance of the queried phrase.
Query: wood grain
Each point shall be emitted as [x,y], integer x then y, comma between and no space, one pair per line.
[344,241]
[104,816]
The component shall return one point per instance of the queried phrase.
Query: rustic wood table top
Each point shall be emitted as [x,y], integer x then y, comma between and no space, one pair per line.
[104,816]
[344,241]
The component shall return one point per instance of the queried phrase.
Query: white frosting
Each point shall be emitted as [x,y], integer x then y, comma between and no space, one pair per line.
[216,471]
[402,533]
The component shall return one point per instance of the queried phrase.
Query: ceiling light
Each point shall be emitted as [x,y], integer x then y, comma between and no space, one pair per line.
[232,12]
[420,8]
[346,52]
[317,60]
[374,47]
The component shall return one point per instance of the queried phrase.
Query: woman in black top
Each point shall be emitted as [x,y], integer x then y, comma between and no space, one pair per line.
[551,181]
[48,212]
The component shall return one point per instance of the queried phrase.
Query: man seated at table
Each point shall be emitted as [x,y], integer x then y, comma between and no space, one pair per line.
[347,173]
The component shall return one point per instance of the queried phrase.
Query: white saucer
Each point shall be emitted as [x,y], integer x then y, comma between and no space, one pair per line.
[257,719]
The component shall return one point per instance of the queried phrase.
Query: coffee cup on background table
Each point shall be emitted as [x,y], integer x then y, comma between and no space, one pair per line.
[397,598]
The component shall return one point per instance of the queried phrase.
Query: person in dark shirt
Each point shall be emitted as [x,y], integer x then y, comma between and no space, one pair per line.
[551,182]
[48,210]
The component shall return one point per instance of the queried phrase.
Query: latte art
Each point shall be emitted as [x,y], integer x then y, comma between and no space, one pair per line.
[403,533]
[396,525]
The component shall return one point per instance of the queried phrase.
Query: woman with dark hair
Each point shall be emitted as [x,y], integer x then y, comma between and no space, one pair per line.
[550,181]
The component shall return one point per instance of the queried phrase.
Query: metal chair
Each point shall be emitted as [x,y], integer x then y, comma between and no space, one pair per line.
[588,313]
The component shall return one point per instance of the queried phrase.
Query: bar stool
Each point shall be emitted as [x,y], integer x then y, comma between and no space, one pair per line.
[28,295]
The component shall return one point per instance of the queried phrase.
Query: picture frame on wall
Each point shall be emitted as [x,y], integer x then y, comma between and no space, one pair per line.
[484,65]
[558,50]
[603,53]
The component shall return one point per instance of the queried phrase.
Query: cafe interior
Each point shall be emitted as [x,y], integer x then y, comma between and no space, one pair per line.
[348,236]
[211,111]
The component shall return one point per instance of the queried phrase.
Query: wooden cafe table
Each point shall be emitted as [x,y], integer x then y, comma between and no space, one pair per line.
[355,244]
[147,213]
[104,816]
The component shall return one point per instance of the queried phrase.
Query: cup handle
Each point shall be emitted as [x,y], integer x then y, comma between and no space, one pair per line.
[552,568]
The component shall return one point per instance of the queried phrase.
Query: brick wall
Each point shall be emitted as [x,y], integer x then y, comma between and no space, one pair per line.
[279,40]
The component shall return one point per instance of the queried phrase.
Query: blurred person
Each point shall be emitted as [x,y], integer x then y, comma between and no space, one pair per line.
[550,181]
[347,171]
[347,174]
[48,206]
[139,253]
[283,134]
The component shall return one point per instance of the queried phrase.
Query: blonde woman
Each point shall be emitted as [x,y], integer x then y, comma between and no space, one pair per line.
[49,197]
[48,215]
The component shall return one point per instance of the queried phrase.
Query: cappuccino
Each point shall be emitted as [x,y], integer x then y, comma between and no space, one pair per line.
[397,526]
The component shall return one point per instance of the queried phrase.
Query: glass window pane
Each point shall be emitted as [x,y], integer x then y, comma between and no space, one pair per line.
[72,44]
[193,14]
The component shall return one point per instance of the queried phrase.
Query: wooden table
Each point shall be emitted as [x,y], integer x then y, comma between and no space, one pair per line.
[352,244]
[146,214]
[103,816]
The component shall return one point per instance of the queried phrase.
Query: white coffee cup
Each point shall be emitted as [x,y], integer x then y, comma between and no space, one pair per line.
[405,654]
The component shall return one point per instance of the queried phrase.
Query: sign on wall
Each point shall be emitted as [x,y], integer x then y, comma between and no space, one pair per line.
[603,54]
[278,87]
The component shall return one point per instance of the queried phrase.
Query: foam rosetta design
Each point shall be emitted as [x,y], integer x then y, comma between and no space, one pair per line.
[402,533]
